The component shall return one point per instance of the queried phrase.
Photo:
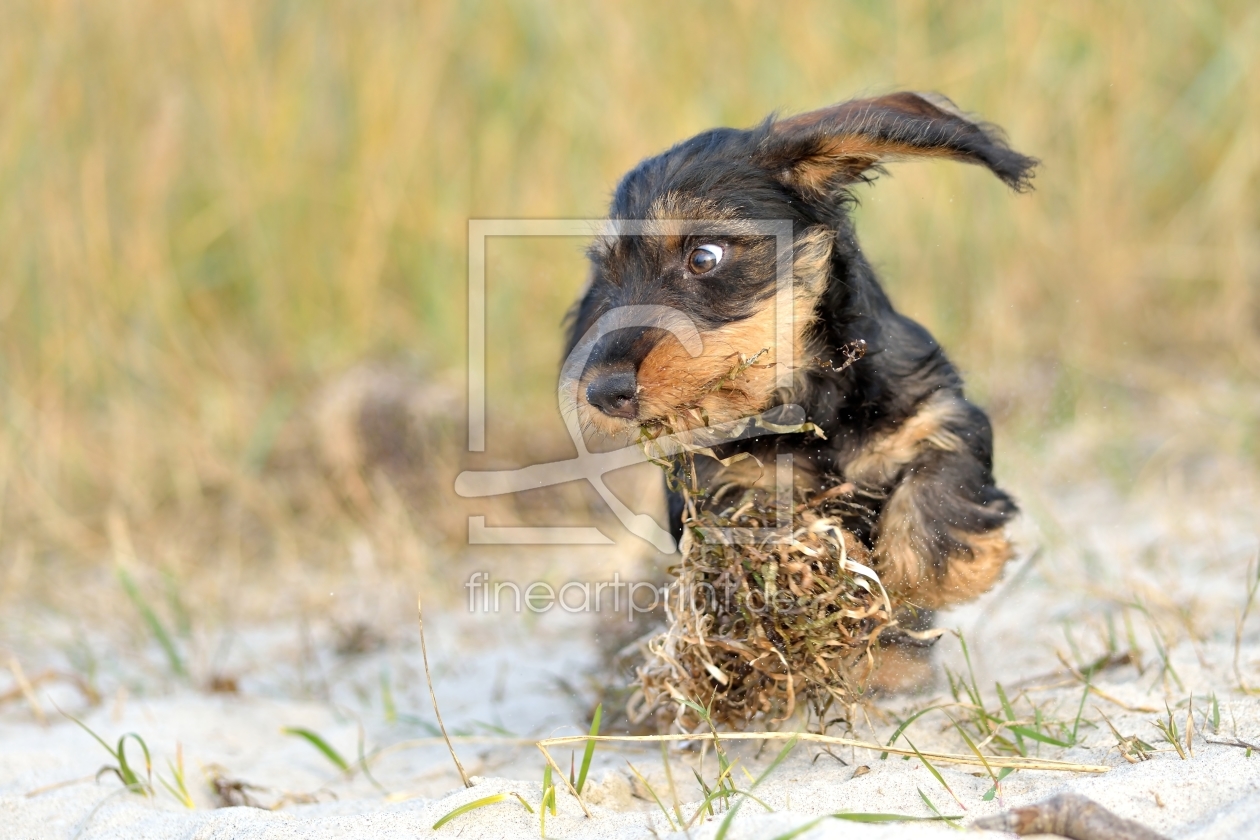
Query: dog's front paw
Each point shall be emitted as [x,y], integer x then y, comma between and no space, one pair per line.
[938,543]
[920,575]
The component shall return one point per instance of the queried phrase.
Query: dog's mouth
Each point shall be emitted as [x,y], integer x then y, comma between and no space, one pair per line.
[619,402]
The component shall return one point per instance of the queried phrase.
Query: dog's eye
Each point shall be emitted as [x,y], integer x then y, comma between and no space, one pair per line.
[704,259]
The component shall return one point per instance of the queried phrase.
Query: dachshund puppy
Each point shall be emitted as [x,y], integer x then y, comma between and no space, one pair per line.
[906,457]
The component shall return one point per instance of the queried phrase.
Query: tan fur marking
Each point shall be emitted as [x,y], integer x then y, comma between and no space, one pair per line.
[854,147]
[970,575]
[881,460]
[672,216]
[903,559]
[901,555]
[674,384]
[852,155]
[672,207]
[904,562]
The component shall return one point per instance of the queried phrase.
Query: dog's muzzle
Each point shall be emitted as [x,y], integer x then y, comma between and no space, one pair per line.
[614,393]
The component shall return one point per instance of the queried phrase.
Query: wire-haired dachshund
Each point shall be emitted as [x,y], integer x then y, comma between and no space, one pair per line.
[912,457]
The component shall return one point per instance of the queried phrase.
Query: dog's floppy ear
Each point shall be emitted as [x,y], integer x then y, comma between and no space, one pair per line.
[825,150]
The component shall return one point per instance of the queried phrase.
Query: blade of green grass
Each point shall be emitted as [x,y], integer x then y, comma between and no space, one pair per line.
[719,790]
[708,795]
[413,720]
[888,818]
[962,640]
[129,776]
[1071,640]
[976,750]
[659,803]
[471,806]
[549,791]
[861,818]
[724,764]
[179,789]
[1002,774]
[1080,710]
[183,622]
[124,772]
[1010,716]
[734,809]
[154,623]
[494,728]
[747,795]
[1170,732]
[387,699]
[778,759]
[1161,648]
[589,753]
[973,690]
[549,795]
[936,774]
[321,745]
[1034,735]
[904,724]
[89,731]
[937,811]
[363,763]
[669,777]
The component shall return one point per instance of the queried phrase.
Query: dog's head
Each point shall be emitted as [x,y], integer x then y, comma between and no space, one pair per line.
[681,320]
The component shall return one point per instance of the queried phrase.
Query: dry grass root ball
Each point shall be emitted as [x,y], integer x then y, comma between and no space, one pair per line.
[762,616]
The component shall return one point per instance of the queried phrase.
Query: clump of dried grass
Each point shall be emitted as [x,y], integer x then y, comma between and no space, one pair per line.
[759,618]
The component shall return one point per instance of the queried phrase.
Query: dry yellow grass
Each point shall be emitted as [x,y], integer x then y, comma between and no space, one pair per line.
[209,208]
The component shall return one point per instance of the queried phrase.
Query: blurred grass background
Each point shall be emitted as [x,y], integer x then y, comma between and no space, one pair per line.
[210,209]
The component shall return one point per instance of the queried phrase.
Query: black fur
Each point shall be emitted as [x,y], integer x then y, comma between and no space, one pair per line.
[800,169]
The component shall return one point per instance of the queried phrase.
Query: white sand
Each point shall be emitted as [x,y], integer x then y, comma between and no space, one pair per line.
[1216,794]
[505,672]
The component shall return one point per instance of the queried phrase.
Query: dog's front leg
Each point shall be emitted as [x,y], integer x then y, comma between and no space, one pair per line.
[941,539]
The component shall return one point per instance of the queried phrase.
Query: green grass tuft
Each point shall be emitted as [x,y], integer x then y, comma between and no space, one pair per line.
[122,767]
[326,749]
[178,786]
[765,774]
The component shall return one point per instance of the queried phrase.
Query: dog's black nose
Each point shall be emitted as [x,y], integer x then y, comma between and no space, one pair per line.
[614,394]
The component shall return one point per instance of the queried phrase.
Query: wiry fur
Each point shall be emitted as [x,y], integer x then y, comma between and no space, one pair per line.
[915,457]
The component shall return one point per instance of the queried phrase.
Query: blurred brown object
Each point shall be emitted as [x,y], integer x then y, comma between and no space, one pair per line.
[377,421]
[1068,815]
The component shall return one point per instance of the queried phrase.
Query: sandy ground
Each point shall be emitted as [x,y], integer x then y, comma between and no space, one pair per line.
[1162,566]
